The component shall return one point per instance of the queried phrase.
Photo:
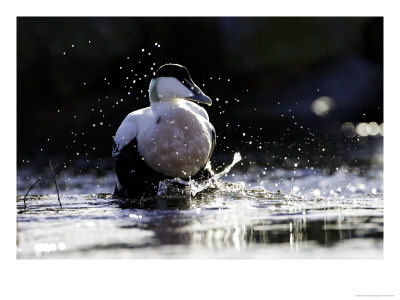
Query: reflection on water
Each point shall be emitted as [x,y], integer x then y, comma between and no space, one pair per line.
[229,222]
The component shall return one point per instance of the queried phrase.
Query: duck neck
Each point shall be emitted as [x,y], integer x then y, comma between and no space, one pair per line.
[153,95]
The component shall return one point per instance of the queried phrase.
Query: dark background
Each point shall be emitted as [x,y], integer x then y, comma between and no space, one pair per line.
[263,74]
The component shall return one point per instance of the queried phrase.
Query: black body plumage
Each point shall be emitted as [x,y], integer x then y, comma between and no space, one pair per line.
[134,175]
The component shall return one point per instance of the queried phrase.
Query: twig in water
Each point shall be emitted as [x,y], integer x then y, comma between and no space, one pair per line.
[30,190]
[54,178]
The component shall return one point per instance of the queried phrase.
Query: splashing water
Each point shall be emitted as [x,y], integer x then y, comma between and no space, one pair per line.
[194,187]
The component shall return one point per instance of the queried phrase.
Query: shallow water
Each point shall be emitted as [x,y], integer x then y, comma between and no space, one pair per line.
[256,214]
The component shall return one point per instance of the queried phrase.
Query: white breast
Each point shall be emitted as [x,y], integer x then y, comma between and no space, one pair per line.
[179,142]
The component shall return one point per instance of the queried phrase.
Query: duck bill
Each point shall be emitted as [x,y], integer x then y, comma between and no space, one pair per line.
[201,98]
[197,94]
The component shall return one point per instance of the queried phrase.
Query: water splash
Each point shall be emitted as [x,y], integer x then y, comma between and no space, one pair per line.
[193,187]
[236,158]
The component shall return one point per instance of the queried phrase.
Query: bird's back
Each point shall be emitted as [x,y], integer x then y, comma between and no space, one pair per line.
[179,142]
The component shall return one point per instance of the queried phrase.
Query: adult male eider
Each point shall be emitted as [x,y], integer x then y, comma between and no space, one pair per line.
[171,138]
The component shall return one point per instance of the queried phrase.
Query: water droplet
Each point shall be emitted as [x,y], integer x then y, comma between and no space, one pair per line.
[317,193]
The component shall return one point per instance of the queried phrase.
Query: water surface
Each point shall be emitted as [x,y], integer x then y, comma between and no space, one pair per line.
[256,214]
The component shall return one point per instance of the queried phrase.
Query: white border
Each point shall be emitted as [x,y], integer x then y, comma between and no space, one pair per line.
[244,279]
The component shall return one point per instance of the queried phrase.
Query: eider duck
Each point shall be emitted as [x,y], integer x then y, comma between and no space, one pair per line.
[172,138]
